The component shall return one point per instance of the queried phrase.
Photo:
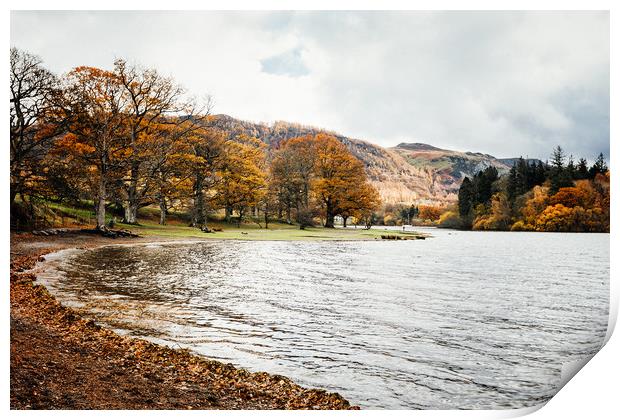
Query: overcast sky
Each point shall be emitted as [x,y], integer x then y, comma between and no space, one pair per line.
[504,83]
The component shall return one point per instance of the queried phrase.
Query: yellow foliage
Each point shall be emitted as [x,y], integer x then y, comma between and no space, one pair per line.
[582,208]
[519,225]
[559,218]
[536,203]
[242,178]
[450,219]
[498,218]
[432,213]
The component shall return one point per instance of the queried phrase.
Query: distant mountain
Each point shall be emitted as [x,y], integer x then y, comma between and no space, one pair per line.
[417,146]
[446,169]
[407,173]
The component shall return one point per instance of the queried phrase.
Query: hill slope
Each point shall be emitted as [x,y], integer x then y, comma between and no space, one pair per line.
[407,173]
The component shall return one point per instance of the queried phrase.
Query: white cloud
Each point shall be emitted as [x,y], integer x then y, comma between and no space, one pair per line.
[506,83]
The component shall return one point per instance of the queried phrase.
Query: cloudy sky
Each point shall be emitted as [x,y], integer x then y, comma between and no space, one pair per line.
[504,83]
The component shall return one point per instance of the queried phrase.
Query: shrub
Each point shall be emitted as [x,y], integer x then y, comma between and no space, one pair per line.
[451,220]
[520,226]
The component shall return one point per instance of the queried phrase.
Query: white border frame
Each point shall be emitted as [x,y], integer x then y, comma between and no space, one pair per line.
[592,393]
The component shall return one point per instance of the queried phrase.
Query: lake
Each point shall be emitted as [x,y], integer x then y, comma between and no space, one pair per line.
[460,320]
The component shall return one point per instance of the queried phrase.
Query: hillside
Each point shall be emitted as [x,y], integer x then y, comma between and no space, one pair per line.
[409,172]
[446,168]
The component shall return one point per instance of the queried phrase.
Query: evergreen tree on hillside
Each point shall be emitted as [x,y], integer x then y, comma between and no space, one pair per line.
[599,167]
[523,176]
[558,157]
[511,187]
[571,169]
[483,185]
[540,173]
[520,179]
[559,176]
[517,202]
[466,193]
[582,169]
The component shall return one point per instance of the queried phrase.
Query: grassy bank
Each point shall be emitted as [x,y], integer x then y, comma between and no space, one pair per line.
[252,232]
[59,215]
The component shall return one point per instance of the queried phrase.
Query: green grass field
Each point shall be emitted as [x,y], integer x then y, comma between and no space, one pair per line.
[251,232]
[83,216]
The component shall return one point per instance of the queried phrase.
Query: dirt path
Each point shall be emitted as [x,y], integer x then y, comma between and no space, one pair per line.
[62,361]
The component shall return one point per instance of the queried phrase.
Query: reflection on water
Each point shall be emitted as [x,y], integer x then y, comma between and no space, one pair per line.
[461,320]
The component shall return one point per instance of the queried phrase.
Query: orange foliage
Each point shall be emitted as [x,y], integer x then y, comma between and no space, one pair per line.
[432,213]
[559,218]
[536,204]
[340,184]
[581,195]
[582,208]
[242,180]
[499,217]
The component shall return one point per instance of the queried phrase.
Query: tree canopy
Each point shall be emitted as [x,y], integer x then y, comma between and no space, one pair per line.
[129,137]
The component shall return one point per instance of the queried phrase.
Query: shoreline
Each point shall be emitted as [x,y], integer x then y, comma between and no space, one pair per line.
[61,360]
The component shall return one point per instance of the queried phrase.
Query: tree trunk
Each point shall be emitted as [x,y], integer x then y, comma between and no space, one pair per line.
[288,214]
[228,213]
[15,181]
[131,208]
[13,193]
[131,213]
[163,210]
[198,210]
[329,214]
[329,220]
[101,204]
[344,221]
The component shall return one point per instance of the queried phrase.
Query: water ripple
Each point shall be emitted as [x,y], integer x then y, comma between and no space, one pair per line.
[467,320]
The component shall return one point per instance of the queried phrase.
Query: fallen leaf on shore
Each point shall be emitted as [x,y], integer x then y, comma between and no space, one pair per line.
[89,367]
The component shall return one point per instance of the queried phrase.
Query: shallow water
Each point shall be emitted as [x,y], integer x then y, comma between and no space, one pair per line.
[460,320]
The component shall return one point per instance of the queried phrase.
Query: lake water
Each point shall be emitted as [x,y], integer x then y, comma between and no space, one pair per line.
[460,320]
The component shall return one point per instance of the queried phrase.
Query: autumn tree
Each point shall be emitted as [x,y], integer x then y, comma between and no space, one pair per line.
[499,216]
[337,173]
[150,98]
[429,212]
[292,170]
[242,178]
[574,198]
[204,155]
[537,202]
[93,103]
[33,119]
[451,219]
[582,208]
[580,195]
[167,167]
[270,199]
[358,200]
